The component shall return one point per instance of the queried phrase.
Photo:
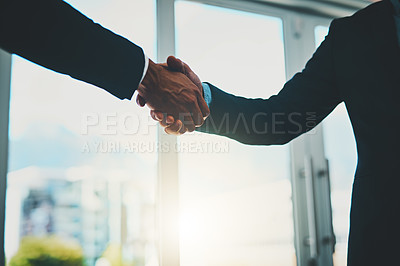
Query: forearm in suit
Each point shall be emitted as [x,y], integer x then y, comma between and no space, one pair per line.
[53,34]
[304,101]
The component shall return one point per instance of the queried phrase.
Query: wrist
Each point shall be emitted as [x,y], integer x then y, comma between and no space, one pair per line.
[145,67]
[151,76]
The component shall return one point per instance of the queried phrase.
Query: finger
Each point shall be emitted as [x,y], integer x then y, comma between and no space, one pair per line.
[153,115]
[197,115]
[167,119]
[163,121]
[175,128]
[170,120]
[140,101]
[185,66]
[187,121]
[141,90]
[187,71]
[175,64]
[163,124]
[203,106]
[176,133]
[158,116]
[170,132]
[183,130]
[192,76]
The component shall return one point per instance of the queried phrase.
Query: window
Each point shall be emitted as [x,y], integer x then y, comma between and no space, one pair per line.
[235,199]
[82,163]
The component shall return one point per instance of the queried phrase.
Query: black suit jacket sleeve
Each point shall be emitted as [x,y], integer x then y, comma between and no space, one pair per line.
[53,34]
[303,102]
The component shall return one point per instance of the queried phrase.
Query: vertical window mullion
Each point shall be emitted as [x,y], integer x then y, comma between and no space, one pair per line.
[5,77]
[168,176]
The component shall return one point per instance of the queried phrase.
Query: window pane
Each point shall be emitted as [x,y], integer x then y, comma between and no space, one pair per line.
[235,199]
[342,162]
[70,174]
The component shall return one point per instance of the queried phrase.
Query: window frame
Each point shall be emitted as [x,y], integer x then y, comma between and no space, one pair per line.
[311,189]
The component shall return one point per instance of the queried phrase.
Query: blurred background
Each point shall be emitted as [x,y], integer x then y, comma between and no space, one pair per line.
[78,193]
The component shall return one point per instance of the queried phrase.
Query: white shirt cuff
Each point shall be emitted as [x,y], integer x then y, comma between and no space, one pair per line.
[146,66]
[207,93]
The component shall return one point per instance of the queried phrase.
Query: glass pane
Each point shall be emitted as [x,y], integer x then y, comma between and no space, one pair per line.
[82,163]
[342,162]
[236,204]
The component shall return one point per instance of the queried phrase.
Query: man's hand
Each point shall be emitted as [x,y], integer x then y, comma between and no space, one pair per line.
[174,94]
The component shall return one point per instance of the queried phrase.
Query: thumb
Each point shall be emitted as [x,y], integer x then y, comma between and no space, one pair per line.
[175,64]
[140,101]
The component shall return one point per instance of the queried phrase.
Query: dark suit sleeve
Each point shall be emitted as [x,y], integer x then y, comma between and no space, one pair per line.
[53,34]
[304,101]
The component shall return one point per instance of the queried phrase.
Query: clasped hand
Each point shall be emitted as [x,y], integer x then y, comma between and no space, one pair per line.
[174,94]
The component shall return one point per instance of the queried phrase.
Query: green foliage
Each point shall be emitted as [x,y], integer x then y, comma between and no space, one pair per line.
[47,251]
[113,254]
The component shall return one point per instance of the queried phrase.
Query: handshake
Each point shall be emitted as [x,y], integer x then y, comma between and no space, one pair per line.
[174,94]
